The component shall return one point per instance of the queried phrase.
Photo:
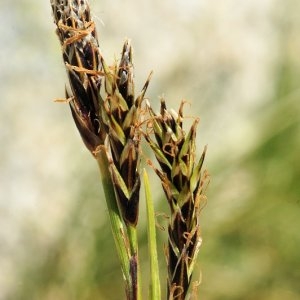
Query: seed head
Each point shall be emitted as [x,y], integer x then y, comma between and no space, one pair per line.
[183,182]
[77,34]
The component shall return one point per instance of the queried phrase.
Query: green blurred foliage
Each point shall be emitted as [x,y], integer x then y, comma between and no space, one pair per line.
[254,253]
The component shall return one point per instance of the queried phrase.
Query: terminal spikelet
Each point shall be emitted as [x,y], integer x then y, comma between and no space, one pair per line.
[77,34]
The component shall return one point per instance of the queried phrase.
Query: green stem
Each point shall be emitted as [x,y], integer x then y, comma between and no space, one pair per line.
[132,236]
[135,266]
[115,220]
[154,290]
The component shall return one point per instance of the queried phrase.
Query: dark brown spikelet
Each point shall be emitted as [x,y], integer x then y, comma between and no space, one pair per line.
[121,115]
[81,55]
[183,182]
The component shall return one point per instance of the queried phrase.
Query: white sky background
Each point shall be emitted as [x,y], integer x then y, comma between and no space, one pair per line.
[218,54]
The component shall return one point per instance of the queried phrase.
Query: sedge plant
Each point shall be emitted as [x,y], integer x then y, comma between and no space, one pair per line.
[107,114]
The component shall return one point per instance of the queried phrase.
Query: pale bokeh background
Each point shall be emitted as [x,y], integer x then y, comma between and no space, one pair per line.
[237,63]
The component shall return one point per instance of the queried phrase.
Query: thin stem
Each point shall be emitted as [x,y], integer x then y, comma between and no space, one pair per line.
[154,290]
[115,220]
[134,266]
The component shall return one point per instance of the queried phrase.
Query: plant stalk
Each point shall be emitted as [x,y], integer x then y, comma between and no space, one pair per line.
[117,227]
[134,262]
[154,289]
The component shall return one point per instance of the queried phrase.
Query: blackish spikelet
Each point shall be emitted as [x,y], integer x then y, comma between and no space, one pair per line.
[81,55]
[183,182]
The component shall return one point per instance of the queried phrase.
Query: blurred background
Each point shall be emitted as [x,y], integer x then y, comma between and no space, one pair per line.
[238,65]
